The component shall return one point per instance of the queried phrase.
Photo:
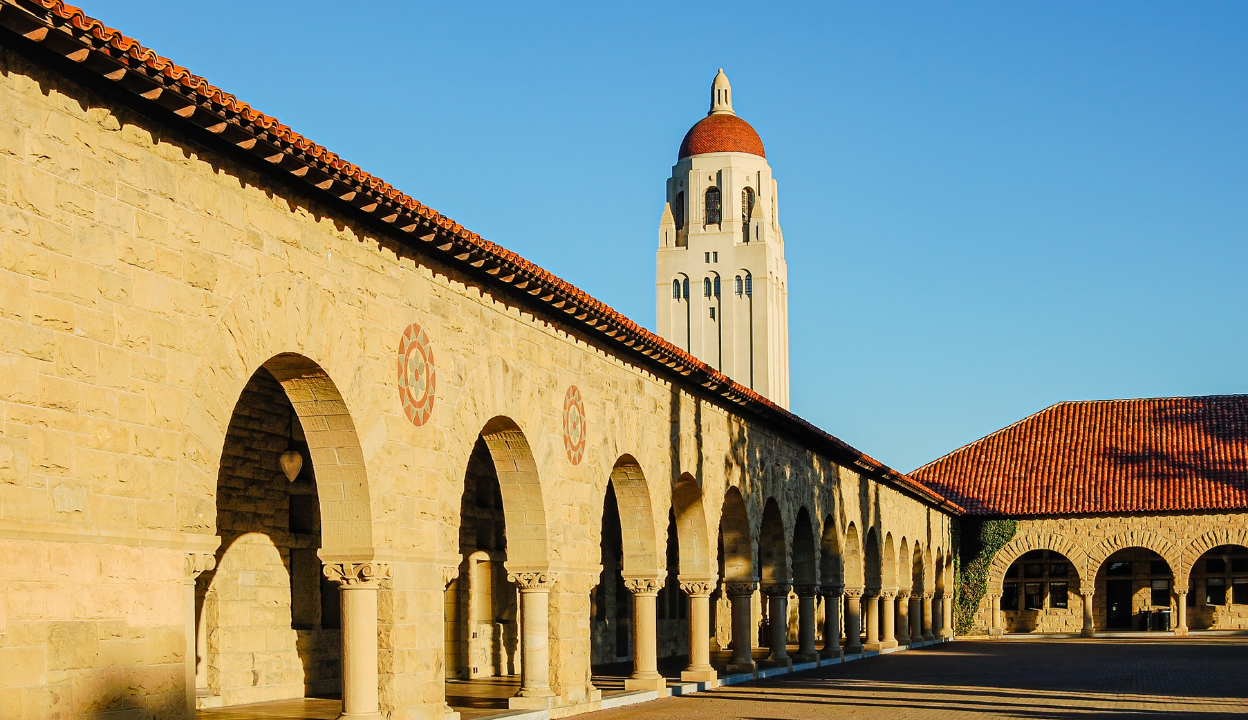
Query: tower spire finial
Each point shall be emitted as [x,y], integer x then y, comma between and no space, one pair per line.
[721,95]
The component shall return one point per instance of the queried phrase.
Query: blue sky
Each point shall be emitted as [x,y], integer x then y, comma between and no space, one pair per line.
[987,208]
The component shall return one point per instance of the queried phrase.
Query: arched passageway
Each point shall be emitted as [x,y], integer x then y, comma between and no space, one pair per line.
[1040,592]
[740,581]
[773,562]
[832,587]
[1134,590]
[1217,596]
[805,588]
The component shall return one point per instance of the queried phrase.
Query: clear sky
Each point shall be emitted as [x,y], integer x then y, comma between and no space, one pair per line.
[987,208]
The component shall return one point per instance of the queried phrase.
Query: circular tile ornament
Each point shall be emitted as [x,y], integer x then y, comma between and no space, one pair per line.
[574,425]
[417,378]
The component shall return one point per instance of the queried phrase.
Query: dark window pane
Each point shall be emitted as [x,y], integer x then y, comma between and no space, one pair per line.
[331,605]
[303,514]
[1012,572]
[1034,598]
[1239,564]
[1160,592]
[305,587]
[1119,568]
[1033,570]
[1058,595]
[1058,570]
[712,206]
[1158,567]
[1215,591]
[1009,597]
[1239,591]
[1215,565]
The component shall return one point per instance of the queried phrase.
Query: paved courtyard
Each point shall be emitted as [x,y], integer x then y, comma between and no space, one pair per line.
[1205,678]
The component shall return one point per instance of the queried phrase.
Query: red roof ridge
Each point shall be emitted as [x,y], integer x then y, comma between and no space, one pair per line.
[216,102]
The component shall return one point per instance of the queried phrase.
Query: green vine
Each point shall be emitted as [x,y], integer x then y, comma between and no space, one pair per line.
[977,542]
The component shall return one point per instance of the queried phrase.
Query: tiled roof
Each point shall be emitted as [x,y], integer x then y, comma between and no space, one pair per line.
[721,133]
[1105,456]
[213,116]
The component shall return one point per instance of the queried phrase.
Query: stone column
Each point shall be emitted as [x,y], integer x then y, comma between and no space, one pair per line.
[871,617]
[916,618]
[994,628]
[1180,622]
[926,627]
[778,627]
[699,592]
[887,598]
[740,594]
[946,615]
[535,692]
[903,617]
[449,573]
[1088,629]
[645,675]
[357,583]
[196,563]
[806,650]
[832,621]
[853,620]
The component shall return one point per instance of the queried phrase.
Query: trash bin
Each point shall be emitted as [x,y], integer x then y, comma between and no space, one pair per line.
[1145,620]
[1161,620]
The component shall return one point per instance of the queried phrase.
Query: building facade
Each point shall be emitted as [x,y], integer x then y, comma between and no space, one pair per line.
[722,283]
[273,429]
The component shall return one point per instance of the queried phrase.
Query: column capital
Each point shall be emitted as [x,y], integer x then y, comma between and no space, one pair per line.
[196,563]
[927,595]
[806,590]
[357,575]
[777,589]
[854,592]
[1087,593]
[1177,591]
[888,592]
[903,594]
[833,590]
[738,588]
[994,596]
[449,573]
[697,587]
[644,585]
[533,581]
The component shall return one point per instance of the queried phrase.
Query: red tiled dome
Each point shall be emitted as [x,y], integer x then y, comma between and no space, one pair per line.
[721,133]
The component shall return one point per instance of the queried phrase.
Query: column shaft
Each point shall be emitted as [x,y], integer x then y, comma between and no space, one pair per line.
[995,627]
[196,563]
[357,584]
[645,634]
[887,598]
[1088,629]
[872,618]
[831,621]
[928,633]
[916,619]
[740,594]
[946,614]
[903,619]
[806,650]
[699,592]
[778,627]
[853,621]
[535,689]
[1180,622]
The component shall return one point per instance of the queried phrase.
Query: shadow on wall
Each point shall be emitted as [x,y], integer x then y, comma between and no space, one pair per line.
[1202,438]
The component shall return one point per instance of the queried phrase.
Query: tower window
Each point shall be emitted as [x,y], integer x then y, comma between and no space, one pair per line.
[712,313]
[714,257]
[713,206]
[738,285]
[678,211]
[747,209]
[749,284]
[675,289]
[716,286]
[707,257]
[685,286]
[706,287]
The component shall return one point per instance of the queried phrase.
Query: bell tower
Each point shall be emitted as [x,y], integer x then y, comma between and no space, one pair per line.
[722,283]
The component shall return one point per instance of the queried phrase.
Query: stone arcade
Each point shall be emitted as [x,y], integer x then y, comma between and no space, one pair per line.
[272,428]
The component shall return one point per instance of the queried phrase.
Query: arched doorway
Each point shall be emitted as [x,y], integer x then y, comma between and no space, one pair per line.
[1132,585]
[740,581]
[1040,593]
[1218,595]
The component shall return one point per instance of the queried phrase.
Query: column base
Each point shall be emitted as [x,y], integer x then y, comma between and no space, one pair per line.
[1180,632]
[449,714]
[365,716]
[702,675]
[929,637]
[832,654]
[888,644]
[785,662]
[995,632]
[738,668]
[945,634]
[658,682]
[1087,632]
[531,702]
[805,657]
[852,650]
[901,641]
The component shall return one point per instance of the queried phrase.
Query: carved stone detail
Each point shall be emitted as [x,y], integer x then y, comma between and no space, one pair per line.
[737,589]
[697,588]
[533,581]
[832,590]
[449,573]
[644,585]
[777,589]
[197,563]
[855,592]
[362,574]
[928,595]
[887,593]
[806,590]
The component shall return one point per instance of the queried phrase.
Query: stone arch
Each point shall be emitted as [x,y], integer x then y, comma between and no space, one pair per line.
[773,552]
[1027,542]
[888,562]
[852,559]
[1134,538]
[804,562]
[696,558]
[903,565]
[872,566]
[831,564]
[1225,535]
[734,528]
[524,508]
[298,332]
[632,493]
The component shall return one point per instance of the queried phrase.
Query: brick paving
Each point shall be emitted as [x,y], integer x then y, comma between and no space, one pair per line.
[1048,679]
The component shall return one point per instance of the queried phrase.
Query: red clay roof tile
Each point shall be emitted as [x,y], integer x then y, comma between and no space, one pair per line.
[1106,456]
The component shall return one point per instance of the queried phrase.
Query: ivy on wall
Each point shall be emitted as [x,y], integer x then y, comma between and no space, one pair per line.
[978,542]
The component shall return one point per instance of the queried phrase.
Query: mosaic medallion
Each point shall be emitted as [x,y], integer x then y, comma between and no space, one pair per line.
[416,375]
[574,425]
